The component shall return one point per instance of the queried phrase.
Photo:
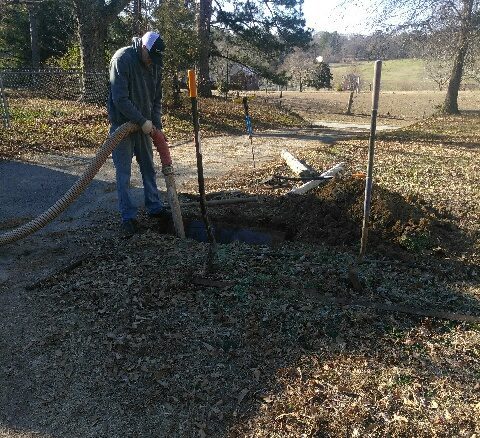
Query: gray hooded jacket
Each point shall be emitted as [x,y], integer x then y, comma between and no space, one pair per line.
[135,89]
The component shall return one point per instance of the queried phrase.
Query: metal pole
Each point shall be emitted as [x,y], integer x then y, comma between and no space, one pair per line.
[371,151]
[6,114]
[192,86]
[248,123]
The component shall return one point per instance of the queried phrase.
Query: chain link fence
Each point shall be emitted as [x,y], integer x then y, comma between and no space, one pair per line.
[52,83]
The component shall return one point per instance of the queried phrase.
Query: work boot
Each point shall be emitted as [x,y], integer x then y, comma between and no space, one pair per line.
[161,214]
[164,220]
[129,228]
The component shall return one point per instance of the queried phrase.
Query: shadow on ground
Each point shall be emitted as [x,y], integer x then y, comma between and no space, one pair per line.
[317,134]
[28,190]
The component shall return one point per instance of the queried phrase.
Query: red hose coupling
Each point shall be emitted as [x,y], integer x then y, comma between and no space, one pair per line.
[162,147]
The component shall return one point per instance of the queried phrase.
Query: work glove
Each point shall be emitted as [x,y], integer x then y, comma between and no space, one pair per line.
[147,127]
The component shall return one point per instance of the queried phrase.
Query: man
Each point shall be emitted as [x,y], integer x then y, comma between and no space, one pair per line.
[135,96]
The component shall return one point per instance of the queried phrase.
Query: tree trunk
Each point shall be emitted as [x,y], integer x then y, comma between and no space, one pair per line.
[350,103]
[137,17]
[94,63]
[93,19]
[203,30]
[450,105]
[33,17]
[177,101]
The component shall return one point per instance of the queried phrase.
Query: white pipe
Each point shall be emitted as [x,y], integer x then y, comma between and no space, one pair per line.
[315,183]
[297,167]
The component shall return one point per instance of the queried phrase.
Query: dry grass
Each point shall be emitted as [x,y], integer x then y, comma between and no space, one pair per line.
[43,125]
[395,107]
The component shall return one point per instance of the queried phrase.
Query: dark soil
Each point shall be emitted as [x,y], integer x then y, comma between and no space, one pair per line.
[333,214]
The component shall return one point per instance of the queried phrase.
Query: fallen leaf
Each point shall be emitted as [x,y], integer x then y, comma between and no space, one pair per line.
[400,418]
[242,395]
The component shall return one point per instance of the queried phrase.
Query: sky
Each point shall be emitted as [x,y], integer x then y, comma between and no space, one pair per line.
[327,15]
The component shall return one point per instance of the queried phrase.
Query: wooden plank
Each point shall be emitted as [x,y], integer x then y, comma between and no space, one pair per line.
[222,201]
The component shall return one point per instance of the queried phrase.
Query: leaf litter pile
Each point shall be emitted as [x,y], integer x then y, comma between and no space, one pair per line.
[275,343]
[131,344]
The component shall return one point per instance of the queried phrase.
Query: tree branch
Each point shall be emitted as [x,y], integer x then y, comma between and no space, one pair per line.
[114,8]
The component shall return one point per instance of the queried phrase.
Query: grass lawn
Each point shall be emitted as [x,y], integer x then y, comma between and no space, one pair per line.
[397,74]
[395,107]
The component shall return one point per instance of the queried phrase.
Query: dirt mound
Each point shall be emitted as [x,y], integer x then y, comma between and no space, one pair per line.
[333,214]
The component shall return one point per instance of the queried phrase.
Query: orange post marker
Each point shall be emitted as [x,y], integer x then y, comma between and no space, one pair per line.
[192,83]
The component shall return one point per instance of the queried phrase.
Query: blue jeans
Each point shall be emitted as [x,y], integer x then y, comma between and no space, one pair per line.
[140,145]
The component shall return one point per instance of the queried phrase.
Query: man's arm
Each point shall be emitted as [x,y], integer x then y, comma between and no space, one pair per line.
[120,95]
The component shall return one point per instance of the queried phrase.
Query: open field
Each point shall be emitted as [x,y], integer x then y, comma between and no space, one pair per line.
[397,75]
[101,336]
[395,107]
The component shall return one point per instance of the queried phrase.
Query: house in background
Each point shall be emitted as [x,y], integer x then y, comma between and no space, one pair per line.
[242,78]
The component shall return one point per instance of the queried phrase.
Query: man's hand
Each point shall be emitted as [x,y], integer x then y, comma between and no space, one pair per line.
[147,127]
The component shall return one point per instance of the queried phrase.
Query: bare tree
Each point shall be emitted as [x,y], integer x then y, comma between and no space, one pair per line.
[437,50]
[438,70]
[298,66]
[453,16]
[472,63]
[464,16]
